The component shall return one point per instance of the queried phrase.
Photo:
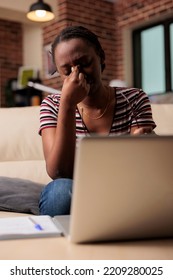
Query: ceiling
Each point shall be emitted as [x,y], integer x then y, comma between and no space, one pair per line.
[16,10]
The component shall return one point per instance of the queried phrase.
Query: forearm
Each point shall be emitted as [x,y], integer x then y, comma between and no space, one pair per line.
[60,159]
[59,144]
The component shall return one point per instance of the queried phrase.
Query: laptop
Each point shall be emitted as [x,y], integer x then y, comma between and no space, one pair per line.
[123,189]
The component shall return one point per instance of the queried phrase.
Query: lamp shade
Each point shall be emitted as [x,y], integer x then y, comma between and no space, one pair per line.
[40,12]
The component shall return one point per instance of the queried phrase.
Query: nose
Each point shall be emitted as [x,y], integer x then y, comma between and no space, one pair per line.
[75,66]
[79,67]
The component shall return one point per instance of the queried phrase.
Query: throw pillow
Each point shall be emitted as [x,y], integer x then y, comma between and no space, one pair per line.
[19,195]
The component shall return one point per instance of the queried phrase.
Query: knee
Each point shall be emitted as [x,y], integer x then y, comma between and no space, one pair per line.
[56,197]
[58,187]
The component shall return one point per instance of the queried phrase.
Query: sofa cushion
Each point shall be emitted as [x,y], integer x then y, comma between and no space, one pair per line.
[19,195]
[21,148]
[33,170]
[19,127]
[163,117]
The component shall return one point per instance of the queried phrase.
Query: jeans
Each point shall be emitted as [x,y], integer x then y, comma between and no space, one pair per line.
[56,198]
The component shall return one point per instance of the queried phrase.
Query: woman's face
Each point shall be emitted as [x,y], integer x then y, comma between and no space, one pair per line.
[76,52]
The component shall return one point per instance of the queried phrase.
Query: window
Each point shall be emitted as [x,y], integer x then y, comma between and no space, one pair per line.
[171,52]
[153,58]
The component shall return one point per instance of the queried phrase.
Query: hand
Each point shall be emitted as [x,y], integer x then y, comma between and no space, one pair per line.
[75,87]
[141,130]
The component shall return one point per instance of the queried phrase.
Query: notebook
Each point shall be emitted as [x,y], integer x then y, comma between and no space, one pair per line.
[123,189]
[28,226]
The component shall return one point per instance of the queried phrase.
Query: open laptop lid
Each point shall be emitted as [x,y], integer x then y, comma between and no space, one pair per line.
[123,189]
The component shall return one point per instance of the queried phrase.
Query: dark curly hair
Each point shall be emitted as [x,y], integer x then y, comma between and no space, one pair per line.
[81,32]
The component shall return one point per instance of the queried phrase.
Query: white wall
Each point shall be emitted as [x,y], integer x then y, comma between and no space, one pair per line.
[15,10]
[32,45]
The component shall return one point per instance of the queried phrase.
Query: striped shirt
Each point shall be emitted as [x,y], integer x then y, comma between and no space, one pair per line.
[132,109]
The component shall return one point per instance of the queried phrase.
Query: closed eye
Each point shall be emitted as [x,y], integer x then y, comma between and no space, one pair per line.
[82,65]
[66,71]
[85,64]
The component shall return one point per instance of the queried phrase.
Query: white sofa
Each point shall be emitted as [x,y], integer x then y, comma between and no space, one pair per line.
[163,117]
[22,166]
[21,154]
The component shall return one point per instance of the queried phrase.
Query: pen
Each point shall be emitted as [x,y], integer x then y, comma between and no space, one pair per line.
[36,225]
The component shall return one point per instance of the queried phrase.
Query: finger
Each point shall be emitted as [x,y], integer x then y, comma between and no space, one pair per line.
[75,69]
[138,131]
[84,82]
[142,130]
[147,130]
[74,73]
[81,77]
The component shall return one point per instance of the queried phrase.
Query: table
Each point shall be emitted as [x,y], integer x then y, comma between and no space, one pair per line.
[60,248]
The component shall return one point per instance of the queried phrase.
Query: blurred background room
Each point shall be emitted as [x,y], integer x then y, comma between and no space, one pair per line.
[137,37]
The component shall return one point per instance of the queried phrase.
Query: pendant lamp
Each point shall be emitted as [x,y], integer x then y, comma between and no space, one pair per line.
[40,12]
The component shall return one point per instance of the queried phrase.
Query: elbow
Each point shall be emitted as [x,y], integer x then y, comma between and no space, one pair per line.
[52,174]
[55,174]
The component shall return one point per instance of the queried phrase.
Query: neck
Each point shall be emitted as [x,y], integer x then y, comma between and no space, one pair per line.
[95,110]
[97,99]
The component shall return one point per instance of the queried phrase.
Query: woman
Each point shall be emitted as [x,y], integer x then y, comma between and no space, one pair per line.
[85,106]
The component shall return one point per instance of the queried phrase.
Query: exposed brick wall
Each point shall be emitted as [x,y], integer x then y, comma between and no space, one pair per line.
[10,53]
[130,13]
[106,19]
[96,15]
